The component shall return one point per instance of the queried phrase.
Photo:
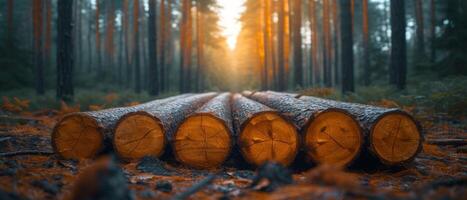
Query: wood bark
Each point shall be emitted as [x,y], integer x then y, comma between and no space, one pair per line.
[147,131]
[65,53]
[136,45]
[152,39]
[432,30]
[281,82]
[297,41]
[373,119]
[330,135]
[100,70]
[419,54]
[38,14]
[315,72]
[398,60]
[85,134]
[327,44]
[347,46]
[366,44]
[204,139]
[164,24]
[262,133]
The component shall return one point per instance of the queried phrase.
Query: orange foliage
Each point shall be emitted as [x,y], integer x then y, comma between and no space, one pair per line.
[65,108]
[111,97]
[133,103]
[16,106]
[96,107]
[331,176]
[318,92]
[433,150]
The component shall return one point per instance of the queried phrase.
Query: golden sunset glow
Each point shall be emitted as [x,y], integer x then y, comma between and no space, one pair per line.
[229,14]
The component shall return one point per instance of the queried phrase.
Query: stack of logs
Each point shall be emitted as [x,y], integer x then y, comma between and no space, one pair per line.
[202,130]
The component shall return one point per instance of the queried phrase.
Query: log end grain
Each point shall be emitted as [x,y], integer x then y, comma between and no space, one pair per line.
[333,137]
[77,136]
[268,137]
[137,135]
[395,138]
[202,141]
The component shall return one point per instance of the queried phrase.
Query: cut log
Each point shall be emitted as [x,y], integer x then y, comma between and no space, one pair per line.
[331,135]
[85,134]
[146,132]
[204,140]
[263,134]
[393,135]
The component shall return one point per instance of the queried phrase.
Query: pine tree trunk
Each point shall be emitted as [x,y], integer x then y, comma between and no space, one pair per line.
[162,43]
[136,46]
[10,21]
[315,72]
[419,55]
[152,39]
[38,13]
[100,70]
[366,45]
[65,51]
[297,41]
[282,84]
[347,46]
[432,31]
[398,61]
[327,45]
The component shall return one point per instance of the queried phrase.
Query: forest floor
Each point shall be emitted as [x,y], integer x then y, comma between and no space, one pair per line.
[28,169]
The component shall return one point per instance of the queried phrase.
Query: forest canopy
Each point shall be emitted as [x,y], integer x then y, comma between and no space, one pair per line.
[167,46]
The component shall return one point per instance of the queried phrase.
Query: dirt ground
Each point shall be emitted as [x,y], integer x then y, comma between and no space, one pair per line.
[29,169]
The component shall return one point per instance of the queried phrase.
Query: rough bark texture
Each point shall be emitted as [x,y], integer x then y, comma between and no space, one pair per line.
[106,119]
[367,116]
[398,61]
[65,51]
[243,109]
[299,112]
[204,139]
[330,135]
[263,135]
[220,108]
[347,46]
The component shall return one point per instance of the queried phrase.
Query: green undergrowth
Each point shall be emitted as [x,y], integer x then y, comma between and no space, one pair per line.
[447,96]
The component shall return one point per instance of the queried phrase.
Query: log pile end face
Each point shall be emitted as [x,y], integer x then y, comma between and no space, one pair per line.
[333,137]
[268,137]
[137,135]
[395,138]
[77,136]
[203,140]
[263,134]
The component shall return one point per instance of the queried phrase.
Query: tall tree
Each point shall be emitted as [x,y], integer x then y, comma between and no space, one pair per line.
[10,27]
[185,46]
[98,40]
[432,30]
[135,53]
[163,23]
[152,39]
[127,41]
[281,50]
[315,72]
[366,44]
[347,46]
[398,60]
[297,42]
[199,47]
[327,44]
[38,11]
[336,39]
[419,31]
[65,50]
